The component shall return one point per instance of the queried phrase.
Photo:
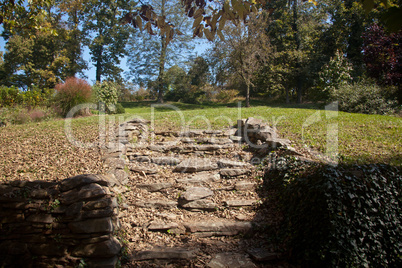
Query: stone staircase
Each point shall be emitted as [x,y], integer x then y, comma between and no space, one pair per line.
[190,199]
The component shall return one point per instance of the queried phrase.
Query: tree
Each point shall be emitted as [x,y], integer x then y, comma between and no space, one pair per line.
[39,61]
[22,16]
[74,36]
[199,72]
[149,54]
[107,38]
[249,48]
[383,56]
[335,74]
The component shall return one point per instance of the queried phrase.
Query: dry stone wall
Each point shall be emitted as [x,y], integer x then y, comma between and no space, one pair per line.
[58,224]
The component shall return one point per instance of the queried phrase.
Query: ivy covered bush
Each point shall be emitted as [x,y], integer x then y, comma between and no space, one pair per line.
[344,216]
[364,97]
[106,93]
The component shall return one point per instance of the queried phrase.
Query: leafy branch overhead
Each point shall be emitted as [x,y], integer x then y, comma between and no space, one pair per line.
[210,16]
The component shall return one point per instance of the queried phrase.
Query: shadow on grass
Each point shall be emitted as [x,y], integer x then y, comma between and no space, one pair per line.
[189,106]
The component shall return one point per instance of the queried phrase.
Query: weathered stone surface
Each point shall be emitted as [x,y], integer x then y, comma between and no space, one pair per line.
[39,193]
[117,163]
[201,204]
[205,147]
[42,218]
[121,177]
[239,203]
[245,186]
[236,138]
[88,191]
[160,226]
[231,260]
[195,165]
[138,121]
[261,254]
[74,209]
[156,203]
[157,148]
[216,141]
[200,178]
[213,132]
[192,133]
[230,132]
[224,163]
[195,193]
[98,213]
[92,226]
[233,172]
[218,228]
[171,161]
[81,180]
[142,170]
[154,187]
[100,203]
[118,147]
[107,248]
[143,159]
[165,253]
[48,249]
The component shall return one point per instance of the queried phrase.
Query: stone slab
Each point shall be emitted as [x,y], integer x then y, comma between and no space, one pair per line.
[164,253]
[239,203]
[224,163]
[195,165]
[231,260]
[195,193]
[202,204]
[233,172]
[218,228]
[154,187]
[156,203]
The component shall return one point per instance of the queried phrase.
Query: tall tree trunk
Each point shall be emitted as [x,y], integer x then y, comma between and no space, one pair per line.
[99,65]
[248,95]
[295,26]
[162,60]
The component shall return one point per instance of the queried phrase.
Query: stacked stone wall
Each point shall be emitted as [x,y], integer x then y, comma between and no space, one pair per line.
[59,224]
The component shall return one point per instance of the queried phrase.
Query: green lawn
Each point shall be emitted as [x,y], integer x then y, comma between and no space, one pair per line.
[361,138]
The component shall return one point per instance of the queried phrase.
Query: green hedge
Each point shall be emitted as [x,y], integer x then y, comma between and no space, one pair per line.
[345,216]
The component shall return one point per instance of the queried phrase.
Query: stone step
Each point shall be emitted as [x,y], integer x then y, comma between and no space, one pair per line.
[231,260]
[164,253]
[218,228]
[240,203]
[192,165]
[156,203]
[154,187]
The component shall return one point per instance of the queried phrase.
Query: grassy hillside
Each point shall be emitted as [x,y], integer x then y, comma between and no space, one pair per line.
[42,151]
[361,138]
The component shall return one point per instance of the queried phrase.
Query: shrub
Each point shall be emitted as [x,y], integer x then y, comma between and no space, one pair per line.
[72,92]
[363,98]
[226,96]
[37,97]
[106,92]
[345,216]
[21,115]
[9,96]
[120,109]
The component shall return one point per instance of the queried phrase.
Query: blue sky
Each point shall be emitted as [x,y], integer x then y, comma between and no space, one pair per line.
[90,73]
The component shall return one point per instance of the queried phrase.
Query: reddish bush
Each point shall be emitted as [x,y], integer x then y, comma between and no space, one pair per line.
[72,92]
